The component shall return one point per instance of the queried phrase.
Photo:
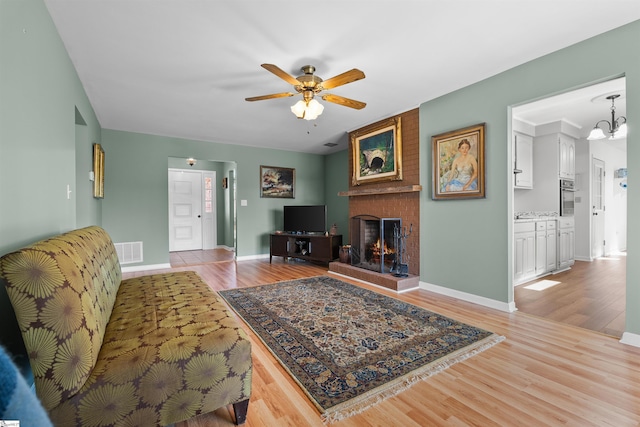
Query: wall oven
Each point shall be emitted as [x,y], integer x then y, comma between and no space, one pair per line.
[567,197]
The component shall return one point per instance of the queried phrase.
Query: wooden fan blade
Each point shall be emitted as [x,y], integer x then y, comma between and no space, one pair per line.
[281,73]
[341,100]
[342,79]
[272,96]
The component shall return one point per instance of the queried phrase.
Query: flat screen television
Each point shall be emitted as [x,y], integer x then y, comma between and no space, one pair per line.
[305,219]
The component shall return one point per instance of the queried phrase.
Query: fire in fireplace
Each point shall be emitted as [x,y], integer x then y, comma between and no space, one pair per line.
[372,242]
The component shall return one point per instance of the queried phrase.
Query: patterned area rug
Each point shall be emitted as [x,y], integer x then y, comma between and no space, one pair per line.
[348,347]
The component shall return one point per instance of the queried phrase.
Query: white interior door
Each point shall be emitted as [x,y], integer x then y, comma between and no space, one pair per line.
[185,210]
[597,208]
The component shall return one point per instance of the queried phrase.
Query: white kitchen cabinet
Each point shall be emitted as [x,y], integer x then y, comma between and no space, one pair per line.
[552,248]
[546,249]
[524,249]
[567,153]
[535,249]
[522,160]
[566,242]
[541,247]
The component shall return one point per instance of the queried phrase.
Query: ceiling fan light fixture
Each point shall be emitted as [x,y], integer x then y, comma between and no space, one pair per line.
[299,108]
[309,85]
[314,109]
[309,110]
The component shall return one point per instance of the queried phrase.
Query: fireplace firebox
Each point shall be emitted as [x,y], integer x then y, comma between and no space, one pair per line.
[373,243]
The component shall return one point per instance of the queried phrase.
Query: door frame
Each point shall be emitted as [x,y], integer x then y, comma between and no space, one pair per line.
[600,212]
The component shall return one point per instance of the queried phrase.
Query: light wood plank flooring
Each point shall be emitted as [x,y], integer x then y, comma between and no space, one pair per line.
[183,258]
[544,374]
[591,295]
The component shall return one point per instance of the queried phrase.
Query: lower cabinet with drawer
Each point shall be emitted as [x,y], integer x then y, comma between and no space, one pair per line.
[524,249]
[535,249]
[566,243]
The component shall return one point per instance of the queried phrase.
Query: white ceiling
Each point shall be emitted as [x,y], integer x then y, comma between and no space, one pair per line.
[184,67]
[582,108]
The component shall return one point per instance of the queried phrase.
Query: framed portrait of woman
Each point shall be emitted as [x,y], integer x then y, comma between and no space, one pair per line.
[458,164]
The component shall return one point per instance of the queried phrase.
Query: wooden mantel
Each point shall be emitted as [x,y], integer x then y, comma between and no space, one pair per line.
[381,190]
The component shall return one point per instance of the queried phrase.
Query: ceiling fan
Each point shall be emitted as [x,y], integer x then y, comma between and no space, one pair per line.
[310,85]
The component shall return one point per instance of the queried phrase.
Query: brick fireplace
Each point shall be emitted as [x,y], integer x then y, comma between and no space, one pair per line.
[391,199]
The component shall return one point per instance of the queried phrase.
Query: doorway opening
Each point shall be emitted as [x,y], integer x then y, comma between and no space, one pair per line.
[599,241]
[202,223]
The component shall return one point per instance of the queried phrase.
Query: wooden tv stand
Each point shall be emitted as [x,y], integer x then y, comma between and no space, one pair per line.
[312,247]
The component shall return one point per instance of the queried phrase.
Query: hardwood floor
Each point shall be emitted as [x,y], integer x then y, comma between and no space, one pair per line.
[591,295]
[544,374]
[182,258]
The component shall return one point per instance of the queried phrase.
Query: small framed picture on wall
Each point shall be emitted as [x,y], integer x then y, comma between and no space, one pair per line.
[277,182]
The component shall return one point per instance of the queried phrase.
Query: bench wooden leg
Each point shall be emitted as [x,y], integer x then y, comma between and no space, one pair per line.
[240,410]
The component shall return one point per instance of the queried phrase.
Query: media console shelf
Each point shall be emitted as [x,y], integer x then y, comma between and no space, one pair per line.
[312,247]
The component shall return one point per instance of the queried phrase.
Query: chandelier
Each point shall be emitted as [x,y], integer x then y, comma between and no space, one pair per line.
[617,127]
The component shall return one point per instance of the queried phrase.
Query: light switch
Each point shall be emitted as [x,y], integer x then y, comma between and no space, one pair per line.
[243,202]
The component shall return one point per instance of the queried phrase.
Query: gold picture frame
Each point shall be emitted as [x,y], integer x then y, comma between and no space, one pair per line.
[377,153]
[98,171]
[459,164]
[277,182]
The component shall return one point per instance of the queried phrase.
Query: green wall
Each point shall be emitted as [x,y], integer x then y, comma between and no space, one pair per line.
[337,179]
[47,128]
[136,191]
[465,245]
[39,95]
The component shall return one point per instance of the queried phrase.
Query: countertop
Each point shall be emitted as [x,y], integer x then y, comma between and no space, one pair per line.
[534,219]
[535,216]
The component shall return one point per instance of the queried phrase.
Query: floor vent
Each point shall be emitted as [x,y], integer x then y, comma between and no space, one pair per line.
[129,252]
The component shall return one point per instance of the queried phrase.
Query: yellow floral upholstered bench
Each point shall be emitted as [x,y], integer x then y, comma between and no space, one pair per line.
[147,351]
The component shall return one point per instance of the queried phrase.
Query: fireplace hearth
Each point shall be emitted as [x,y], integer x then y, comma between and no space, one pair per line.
[372,242]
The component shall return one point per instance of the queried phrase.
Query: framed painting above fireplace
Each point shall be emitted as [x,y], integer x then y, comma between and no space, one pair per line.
[377,152]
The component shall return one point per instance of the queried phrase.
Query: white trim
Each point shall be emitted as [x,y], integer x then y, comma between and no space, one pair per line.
[250,257]
[630,339]
[209,220]
[486,302]
[145,267]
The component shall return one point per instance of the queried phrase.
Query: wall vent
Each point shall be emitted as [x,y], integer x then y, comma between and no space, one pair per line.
[129,252]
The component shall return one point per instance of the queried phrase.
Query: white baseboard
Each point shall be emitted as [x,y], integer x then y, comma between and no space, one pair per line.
[145,268]
[630,339]
[250,257]
[509,307]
